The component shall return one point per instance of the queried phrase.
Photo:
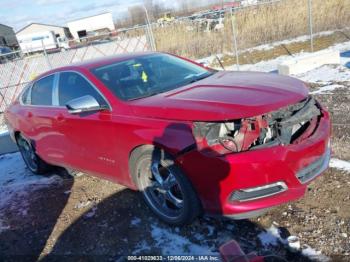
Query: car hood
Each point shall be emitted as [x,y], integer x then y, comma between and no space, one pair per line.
[224,96]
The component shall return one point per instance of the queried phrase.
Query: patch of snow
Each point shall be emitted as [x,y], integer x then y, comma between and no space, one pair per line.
[312,254]
[16,179]
[3,130]
[270,236]
[304,38]
[324,74]
[327,74]
[91,213]
[293,243]
[16,182]
[135,221]
[211,230]
[340,164]
[141,247]
[81,205]
[174,244]
[326,89]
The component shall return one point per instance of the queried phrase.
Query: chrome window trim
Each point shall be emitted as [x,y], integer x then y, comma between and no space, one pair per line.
[93,86]
[55,90]
[29,87]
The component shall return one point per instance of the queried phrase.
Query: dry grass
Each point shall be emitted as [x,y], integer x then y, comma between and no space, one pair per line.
[255,56]
[255,26]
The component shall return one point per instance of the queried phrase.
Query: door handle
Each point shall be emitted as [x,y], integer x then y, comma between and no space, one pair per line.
[29,114]
[59,118]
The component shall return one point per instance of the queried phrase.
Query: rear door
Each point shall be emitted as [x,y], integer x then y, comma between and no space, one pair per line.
[40,117]
[89,138]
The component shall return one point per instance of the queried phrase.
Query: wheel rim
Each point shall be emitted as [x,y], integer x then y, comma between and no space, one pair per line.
[161,189]
[28,154]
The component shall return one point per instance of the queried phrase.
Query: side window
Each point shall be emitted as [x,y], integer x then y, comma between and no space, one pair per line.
[72,86]
[42,91]
[25,96]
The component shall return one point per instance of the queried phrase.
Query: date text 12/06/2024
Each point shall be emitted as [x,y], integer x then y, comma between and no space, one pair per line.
[174,258]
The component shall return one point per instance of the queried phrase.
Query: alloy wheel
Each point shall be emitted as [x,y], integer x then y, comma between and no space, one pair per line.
[161,188]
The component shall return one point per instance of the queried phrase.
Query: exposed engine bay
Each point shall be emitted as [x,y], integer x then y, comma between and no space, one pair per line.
[289,125]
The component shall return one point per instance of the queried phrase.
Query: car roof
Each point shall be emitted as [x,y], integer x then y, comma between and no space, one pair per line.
[110,60]
[89,64]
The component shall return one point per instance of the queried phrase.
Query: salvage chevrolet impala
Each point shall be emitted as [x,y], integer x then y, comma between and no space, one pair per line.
[189,138]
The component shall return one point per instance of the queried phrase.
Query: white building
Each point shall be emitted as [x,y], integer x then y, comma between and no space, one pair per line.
[91,25]
[37,28]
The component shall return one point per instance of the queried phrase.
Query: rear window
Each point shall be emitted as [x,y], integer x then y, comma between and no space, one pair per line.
[25,96]
[42,91]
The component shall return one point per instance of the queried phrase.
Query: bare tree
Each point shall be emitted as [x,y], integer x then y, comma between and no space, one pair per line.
[137,15]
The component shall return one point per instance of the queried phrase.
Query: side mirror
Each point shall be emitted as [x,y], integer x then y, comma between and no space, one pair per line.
[83,104]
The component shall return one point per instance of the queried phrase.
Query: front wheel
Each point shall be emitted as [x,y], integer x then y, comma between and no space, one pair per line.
[165,188]
[32,160]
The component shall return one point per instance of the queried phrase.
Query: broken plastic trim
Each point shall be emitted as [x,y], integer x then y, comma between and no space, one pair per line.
[288,125]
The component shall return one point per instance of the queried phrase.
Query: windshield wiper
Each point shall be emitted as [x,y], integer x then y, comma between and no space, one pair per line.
[146,95]
[201,77]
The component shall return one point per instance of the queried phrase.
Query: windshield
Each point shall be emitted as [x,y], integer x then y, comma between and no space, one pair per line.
[149,75]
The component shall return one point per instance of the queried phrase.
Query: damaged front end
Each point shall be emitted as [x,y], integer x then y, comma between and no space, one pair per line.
[289,125]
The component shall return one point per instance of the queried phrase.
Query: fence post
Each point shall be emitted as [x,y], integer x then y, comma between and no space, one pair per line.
[149,26]
[234,33]
[311,25]
[45,54]
[152,37]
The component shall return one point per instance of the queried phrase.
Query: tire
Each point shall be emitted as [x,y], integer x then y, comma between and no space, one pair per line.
[165,188]
[32,160]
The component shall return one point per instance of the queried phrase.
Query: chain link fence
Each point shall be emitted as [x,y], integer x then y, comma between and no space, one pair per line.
[17,69]
[228,31]
[234,30]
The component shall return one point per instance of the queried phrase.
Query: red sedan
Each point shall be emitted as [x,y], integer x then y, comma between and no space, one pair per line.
[191,139]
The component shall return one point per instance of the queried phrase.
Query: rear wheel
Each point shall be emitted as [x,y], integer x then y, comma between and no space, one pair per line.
[32,160]
[165,188]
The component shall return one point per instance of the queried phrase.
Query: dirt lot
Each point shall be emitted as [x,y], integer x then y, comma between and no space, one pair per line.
[96,220]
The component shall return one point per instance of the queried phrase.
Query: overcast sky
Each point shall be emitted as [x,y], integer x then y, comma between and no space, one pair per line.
[19,13]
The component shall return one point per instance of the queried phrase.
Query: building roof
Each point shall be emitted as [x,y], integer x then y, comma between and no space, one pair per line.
[6,26]
[39,24]
[89,16]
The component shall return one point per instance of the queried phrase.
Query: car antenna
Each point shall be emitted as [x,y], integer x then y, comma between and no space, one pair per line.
[222,66]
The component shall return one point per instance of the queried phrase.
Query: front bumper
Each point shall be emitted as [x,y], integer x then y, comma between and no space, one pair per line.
[217,178]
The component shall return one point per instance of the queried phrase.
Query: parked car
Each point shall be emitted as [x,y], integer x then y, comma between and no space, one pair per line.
[189,138]
[6,54]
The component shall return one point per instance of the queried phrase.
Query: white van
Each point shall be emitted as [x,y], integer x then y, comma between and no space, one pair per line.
[37,42]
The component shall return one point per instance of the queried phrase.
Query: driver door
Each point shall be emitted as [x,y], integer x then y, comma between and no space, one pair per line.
[89,139]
